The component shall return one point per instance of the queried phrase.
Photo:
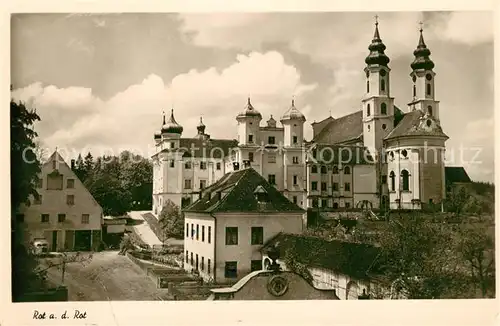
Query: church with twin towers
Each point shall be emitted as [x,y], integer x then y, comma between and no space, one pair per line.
[379,156]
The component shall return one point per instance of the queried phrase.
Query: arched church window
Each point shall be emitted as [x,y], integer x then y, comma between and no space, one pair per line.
[429,110]
[382,85]
[368,110]
[335,170]
[404,152]
[393,180]
[383,108]
[405,176]
[368,86]
[314,169]
[347,170]
[323,169]
[428,86]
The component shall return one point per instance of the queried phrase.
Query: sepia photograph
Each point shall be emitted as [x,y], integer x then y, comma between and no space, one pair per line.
[252,156]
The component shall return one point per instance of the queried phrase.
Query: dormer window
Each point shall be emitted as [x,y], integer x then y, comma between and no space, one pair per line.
[261,194]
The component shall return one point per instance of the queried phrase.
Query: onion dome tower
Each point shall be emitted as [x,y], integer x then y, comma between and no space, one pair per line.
[377,48]
[171,126]
[422,53]
[293,124]
[248,125]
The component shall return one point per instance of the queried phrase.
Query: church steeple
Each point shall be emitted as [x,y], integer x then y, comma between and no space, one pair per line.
[422,53]
[377,48]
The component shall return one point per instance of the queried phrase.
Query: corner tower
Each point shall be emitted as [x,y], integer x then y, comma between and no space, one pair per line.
[378,105]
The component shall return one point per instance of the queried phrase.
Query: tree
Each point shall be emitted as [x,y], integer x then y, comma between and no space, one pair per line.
[89,163]
[171,221]
[137,175]
[24,163]
[478,250]
[457,199]
[79,168]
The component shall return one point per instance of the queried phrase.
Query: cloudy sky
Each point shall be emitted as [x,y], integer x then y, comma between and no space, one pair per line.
[101,82]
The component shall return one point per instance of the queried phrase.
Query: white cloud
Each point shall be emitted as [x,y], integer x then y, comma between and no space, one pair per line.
[472,27]
[129,119]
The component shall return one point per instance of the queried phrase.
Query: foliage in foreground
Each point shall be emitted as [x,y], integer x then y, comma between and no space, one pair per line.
[171,221]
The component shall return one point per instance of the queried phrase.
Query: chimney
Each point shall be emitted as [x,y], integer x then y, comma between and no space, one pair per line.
[72,164]
[246,164]
[236,166]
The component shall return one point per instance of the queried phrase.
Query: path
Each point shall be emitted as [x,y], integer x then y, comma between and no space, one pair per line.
[143,229]
[108,276]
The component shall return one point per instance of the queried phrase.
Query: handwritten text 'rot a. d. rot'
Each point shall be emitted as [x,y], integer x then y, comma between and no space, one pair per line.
[44,315]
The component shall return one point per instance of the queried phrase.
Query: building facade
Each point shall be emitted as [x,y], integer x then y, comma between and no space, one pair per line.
[227,226]
[65,213]
[376,157]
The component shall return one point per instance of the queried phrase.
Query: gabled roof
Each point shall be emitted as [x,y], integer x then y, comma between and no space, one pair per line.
[454,174]
[347,128]
[352,259]
[208,148]
[414,124]
[236,190]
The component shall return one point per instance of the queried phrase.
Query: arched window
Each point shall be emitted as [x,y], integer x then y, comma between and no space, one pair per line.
[406,180]
[323,169]
[368,86]
[347,170]
[429,110]
[368,110]
[414,91]
[314,169]
[393,181]
[383,108]
[382,85]
[428,86]
[335,170]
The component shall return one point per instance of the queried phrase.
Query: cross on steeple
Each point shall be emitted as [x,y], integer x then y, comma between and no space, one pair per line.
[376,19]
[421,24]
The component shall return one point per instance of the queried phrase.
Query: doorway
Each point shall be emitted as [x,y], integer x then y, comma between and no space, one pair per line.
[83,240]
[54,241]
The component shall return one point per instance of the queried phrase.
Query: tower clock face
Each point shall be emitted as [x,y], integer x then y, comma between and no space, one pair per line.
[428,76]
[382,73]
[414,78]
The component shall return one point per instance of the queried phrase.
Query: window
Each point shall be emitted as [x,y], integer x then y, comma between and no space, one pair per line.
[384,126]
[250,157]
[314,152]
[38,201]
[347,170]
[197,262]
[172,163]
[45,218]
[384,179]
[197,231]
[368,86]
[294,198]
[192,260]
[85,218]
[209,234]
[271,140]
[202,263]
[257,235]
[70,199]
[295,180]
[335,186]
[231,269]
[414,91]
[250,138]
[203,165]
[406,180]
[61,218]
[323,202]
[383,108]
[314,185]
[295,160]
[335,170]
[172,145]
[54,182]
[231,236]
[429,110]
[393,181]
[39,183]
[347,186]
[192,230]
[323,169]
[382,85]
[271,178]
[335,205]
[203,233]
[209,266]
[70,183]
[323,186]
[295,139]
[203,184]
[187,165]
[217,165]
[271,158]
[255,265]
[187,256]
[368,111]
[347,205]
[187,230]
[187,184]
[428,87]
[314,169]
[314,202]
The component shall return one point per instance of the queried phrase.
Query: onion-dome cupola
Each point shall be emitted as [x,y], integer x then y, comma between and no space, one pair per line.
[249,111]
[171,126]
[293,114]
[377,48]
[422,53]
[201,127]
